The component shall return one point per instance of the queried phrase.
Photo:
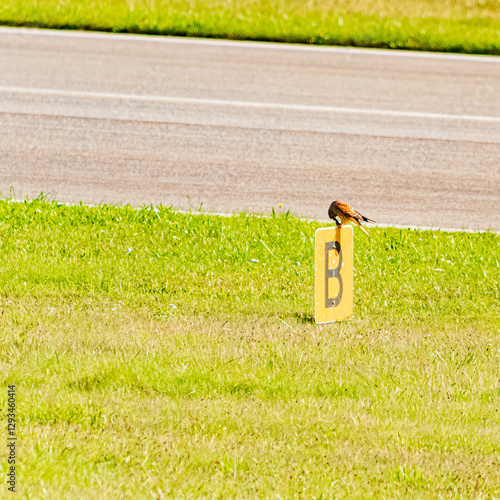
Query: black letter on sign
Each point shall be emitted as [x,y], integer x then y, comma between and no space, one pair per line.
[333,273]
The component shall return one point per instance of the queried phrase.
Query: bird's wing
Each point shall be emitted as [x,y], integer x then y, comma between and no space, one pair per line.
[343,206]
[340,208]
[349,211]
[356,215]
[366,219]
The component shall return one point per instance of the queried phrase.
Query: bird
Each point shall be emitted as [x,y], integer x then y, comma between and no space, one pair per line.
[343,213]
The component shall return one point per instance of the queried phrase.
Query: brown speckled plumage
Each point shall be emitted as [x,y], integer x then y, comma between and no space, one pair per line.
[343,213]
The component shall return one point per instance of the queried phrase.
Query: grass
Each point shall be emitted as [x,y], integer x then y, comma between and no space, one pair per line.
[161,354]
[468,26]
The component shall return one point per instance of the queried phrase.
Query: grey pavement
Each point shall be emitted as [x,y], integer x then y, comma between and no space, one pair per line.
[411,139]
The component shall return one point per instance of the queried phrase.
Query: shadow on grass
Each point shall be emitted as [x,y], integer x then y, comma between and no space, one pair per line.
[304,318]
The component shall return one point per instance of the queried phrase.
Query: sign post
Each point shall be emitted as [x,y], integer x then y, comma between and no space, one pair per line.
[333,295]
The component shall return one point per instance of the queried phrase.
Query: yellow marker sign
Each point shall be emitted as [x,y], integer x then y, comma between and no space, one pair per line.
[334,276]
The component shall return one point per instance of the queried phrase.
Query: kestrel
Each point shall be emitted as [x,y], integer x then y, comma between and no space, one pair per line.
[343,213]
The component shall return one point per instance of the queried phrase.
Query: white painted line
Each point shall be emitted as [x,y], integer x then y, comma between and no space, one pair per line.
[245,104]
[423,228]
[246,45]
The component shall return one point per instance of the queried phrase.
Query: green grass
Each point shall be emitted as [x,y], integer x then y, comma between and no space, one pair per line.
[161,354]
[469,26]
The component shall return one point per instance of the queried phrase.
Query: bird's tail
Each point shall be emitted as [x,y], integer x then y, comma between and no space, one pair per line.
[364,230]
[366,219]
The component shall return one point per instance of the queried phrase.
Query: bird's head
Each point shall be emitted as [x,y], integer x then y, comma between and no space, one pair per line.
[333,210]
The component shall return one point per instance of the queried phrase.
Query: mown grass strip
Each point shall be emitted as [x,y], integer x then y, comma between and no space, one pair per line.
[173,354]
[466,27]
[249,264]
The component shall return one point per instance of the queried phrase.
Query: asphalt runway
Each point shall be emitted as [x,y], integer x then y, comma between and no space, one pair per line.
[408,138]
